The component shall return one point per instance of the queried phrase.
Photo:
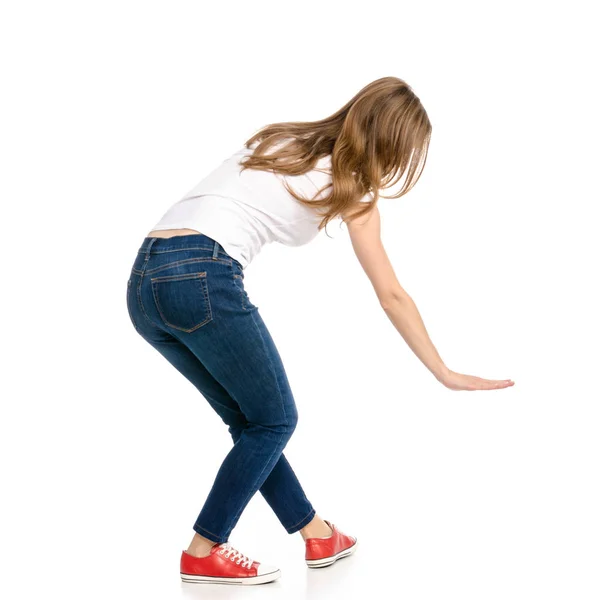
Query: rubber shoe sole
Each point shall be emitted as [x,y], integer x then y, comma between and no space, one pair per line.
[258,579]
[325,562]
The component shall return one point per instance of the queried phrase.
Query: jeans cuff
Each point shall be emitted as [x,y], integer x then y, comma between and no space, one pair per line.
[208,534]
[309,517]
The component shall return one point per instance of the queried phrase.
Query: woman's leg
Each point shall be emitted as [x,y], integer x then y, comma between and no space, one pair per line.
[281,489]
[237,368]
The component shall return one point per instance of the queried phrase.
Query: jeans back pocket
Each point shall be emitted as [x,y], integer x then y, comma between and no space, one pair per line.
[182,300]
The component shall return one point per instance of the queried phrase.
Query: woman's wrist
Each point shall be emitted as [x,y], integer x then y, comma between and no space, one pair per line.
[440,372]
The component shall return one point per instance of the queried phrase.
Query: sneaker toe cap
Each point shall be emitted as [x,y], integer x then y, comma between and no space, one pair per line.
[266,569]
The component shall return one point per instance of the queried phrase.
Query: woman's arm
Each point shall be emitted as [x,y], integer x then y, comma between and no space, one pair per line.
[400,308]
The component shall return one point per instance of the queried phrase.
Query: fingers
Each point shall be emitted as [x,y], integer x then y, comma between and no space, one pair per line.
[492,380]
[473,383]
[493,384]
[477,383]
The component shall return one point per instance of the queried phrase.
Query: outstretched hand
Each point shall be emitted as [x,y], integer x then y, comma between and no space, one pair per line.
[458,381]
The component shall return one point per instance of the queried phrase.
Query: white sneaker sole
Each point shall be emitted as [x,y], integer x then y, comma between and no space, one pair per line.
[325,562]
[264,578]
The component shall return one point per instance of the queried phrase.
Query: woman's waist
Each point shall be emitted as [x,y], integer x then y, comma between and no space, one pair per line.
[176,247]
[167,233]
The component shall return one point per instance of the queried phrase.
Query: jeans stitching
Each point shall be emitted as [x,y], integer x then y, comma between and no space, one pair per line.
[204,287]
[139,298]
[180,277]
[211,248]
[143,250]
[185,261]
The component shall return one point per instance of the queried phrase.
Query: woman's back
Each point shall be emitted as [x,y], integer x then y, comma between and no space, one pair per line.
[244,210]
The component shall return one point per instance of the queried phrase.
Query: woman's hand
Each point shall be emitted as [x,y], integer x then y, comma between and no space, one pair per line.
[458,381]
[400,308]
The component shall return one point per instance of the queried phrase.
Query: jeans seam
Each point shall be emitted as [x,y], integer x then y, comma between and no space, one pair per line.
[285,416]
[180,277]
[274,370]
[224,255]
[142,250]
[185,261]
[139,299]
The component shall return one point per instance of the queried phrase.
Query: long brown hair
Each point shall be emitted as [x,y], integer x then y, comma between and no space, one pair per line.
[375,139]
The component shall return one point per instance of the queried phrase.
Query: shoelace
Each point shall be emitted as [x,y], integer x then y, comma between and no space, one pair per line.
[230,552]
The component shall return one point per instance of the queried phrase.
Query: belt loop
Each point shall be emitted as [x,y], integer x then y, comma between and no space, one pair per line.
[215,250]
[146,257]
[152,240]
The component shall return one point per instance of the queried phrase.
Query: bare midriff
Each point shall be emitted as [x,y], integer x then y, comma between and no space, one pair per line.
[167,233]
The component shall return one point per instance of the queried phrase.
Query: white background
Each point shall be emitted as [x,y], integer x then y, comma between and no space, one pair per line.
[112,110]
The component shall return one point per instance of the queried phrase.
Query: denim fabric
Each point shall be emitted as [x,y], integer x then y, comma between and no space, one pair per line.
[186,298]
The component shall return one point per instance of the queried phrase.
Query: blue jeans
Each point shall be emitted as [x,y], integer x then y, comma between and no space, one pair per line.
[186,298]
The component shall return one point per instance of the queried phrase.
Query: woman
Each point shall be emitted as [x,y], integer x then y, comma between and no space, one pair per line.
[186,298]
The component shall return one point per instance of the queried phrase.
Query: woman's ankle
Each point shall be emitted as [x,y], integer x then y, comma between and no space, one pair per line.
[200,546]
[317,528]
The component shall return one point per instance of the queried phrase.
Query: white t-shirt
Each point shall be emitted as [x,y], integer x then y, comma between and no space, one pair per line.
[244,210]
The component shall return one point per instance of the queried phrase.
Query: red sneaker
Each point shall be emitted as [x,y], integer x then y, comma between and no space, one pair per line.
[224,564]
[322,552]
